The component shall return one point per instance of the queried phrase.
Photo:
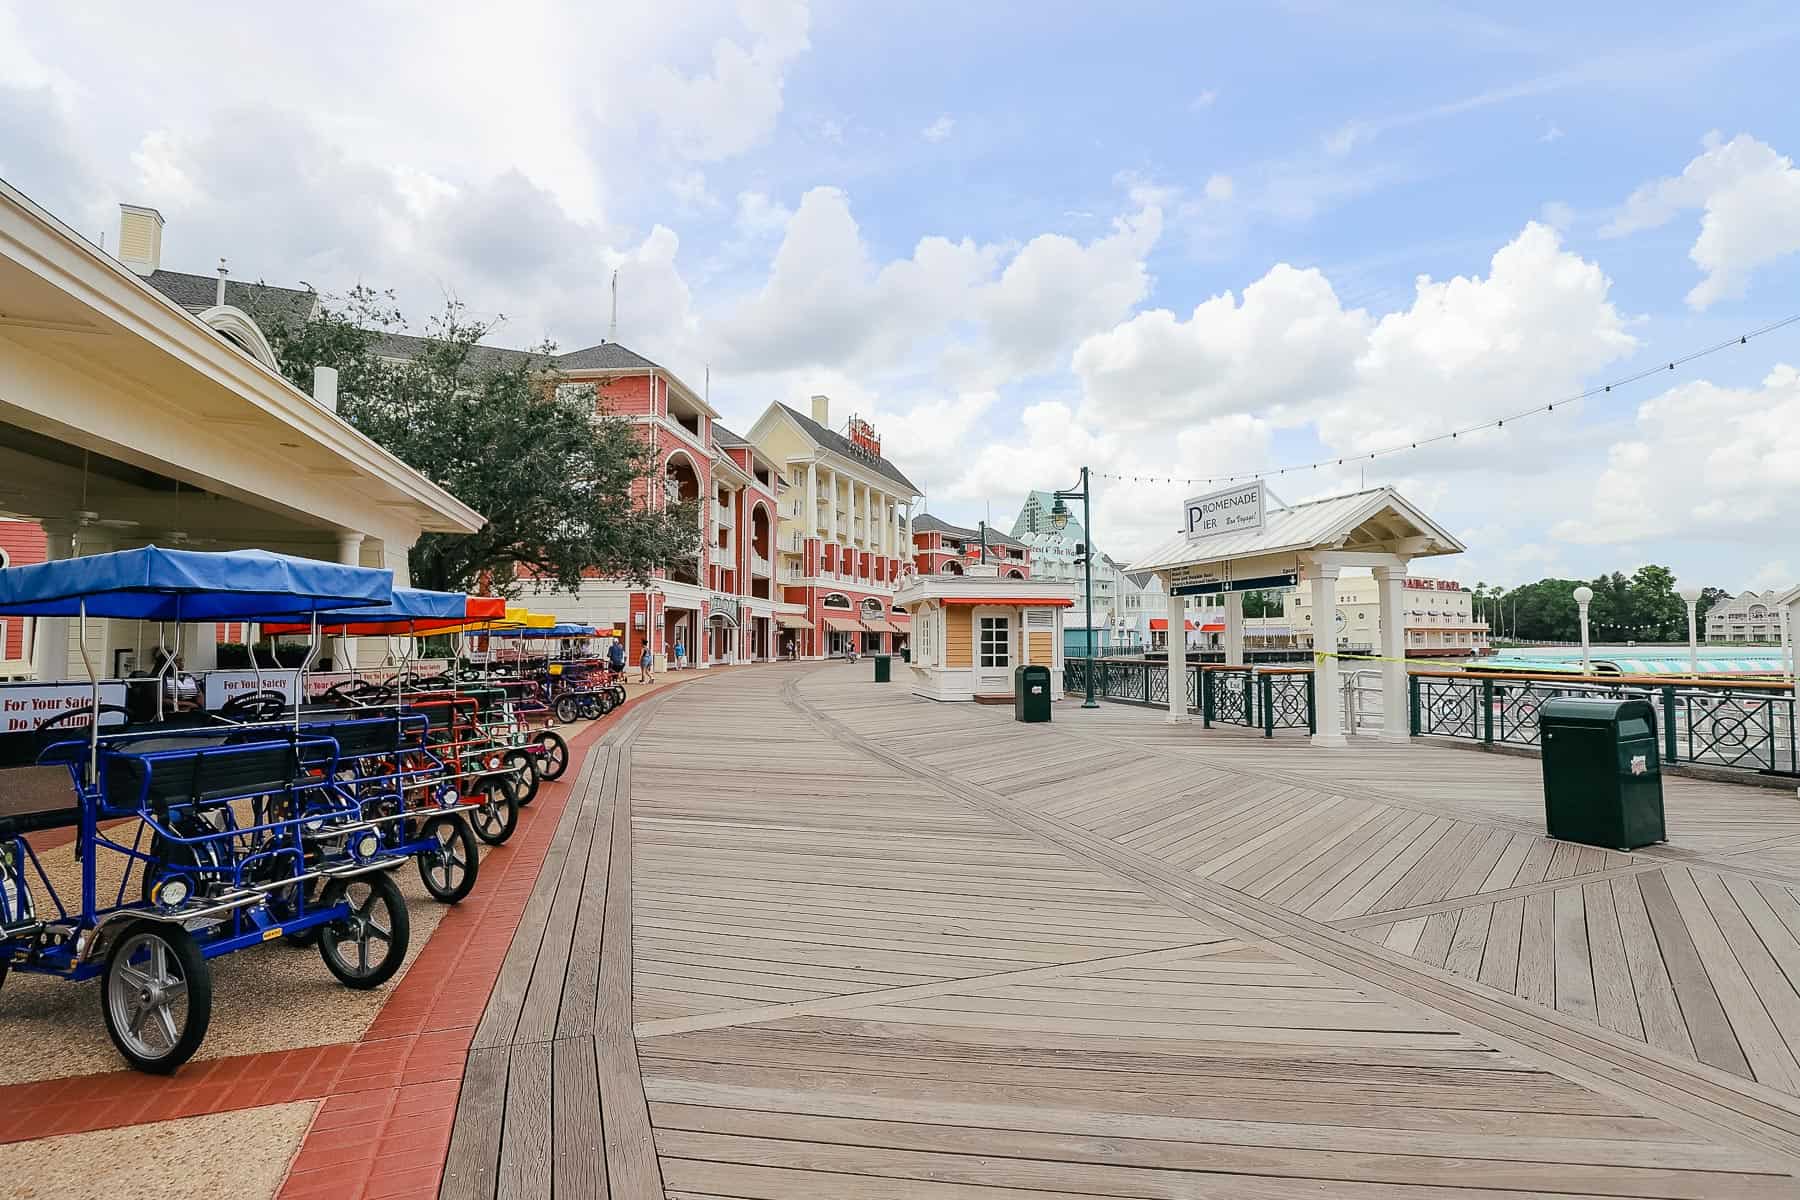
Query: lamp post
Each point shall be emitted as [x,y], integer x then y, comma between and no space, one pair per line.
[1692,596]
[1584,595]
[1059,517]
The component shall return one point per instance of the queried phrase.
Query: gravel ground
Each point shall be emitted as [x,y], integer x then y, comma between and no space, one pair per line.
[271,997]
[243,1155]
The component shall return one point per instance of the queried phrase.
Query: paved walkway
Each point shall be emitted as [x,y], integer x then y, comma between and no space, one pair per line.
[879,947]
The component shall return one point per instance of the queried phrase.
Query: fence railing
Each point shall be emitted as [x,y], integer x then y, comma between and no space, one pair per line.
[1255,698]
[1725,724]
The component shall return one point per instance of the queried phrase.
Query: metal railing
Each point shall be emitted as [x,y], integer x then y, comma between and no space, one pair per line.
[1744,725]
[1251,697]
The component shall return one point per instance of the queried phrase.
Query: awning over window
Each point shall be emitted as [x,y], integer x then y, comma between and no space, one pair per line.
[876,625]
[901,622]
[788,622]
[1011,601]
[843,624]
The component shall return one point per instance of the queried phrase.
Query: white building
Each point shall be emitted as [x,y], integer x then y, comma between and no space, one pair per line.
[1439,614]
[1746,617]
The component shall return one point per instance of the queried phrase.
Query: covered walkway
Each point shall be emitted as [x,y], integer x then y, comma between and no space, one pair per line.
[903,949]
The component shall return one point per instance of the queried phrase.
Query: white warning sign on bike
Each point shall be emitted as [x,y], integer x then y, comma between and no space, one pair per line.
[24,707]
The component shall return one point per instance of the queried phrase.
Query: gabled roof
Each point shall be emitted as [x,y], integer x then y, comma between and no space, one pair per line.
[607,356]
[926,523]
[263,301]
[837,443]
[1349,522]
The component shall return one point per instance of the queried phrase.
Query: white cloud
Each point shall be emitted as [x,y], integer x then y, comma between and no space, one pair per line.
[1204,100]
[1219,187]
[758,216]
[1467,348]
[992,312]
[1750,197]
[691,193]
[1558,215]
[1552,134]
[1705,462]
[939,129]
[726,111]
[1772,574]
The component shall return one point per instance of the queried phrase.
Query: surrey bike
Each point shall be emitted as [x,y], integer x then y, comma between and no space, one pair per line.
[227,837]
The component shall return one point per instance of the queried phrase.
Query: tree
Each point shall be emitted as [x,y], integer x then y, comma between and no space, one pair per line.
[1709,597]
[1262,604]
[553,476]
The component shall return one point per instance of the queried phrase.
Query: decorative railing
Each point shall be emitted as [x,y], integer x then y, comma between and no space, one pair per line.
[1747,724]
[1255,698]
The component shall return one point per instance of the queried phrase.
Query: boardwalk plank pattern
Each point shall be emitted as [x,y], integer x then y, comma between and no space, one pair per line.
[891,948]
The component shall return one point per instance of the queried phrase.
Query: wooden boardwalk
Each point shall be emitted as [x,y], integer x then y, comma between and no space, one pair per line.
[881,947]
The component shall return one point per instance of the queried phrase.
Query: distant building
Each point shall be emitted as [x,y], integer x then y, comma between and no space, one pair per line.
[940,548]
[1440,618]
[1746,617]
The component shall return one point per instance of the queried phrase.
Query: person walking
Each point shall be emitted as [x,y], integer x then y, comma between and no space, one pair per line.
[615,656]
[644,663]
[680,655]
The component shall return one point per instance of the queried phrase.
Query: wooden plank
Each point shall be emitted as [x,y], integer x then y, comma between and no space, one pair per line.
[575,1012]
[1574,968]
[525,1150]
[1703,1016]
[1537,950]
[1658,1007]
[1614,997]
[578,1146]
[471,1166]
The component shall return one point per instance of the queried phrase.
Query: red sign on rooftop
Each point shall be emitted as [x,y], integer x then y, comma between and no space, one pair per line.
[863,437]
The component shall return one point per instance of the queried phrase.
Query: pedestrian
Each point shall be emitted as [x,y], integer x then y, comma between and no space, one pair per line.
[615,656]
[644,663]
[680,655]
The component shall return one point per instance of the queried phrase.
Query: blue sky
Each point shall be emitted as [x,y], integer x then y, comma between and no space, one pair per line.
[990,228]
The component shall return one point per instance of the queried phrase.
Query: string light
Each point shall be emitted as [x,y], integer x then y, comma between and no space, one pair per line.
[1667,365]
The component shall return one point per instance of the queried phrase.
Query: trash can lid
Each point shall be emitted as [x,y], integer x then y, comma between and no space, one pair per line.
[1592,710]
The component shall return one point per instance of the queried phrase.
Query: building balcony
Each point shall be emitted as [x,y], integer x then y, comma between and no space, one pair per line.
[721,514]
[722,556]
[759,565]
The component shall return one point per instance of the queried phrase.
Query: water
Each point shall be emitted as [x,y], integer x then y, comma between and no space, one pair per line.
[1644,659]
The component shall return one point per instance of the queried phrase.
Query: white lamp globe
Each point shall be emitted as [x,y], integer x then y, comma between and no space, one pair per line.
[1691,594]
[1583,595]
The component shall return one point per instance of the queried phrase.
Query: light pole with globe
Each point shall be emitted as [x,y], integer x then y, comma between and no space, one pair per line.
[1584,595]
[1692,595]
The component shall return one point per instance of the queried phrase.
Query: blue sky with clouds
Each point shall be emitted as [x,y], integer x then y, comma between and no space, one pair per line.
[1160,240]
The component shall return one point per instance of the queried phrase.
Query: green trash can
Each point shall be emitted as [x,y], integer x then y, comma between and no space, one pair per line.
[1031,693]
[884,667]
[906,654]
[1602,772]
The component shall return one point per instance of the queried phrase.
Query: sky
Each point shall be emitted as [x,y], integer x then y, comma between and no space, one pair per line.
[1168,242]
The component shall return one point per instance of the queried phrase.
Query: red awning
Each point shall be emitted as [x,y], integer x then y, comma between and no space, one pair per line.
[843,624]
[1019,601]
[900,621]
[876,625]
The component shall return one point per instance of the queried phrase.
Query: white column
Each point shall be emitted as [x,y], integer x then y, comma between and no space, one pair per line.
[1327,702]
[1396,722]
[909,531]
[831,509]
[809,521]
[50,649]
[349,553]
[1234,629]
[1177,658]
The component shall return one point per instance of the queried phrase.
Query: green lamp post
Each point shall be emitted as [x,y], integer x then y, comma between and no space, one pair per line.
[1059,517]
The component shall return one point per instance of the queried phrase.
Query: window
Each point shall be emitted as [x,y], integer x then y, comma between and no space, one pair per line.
[996,642]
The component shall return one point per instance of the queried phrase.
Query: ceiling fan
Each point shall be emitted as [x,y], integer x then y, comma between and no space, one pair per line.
[179,537]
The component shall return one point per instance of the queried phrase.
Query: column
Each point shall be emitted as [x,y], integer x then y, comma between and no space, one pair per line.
[831,527]
[1177,650]
[50,635]
[349,553]
[1327,701]
[1396,723]
[809,522]
[1234,629]
[909,533]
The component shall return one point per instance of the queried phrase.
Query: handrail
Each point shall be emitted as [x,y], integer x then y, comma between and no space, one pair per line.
[1686,681]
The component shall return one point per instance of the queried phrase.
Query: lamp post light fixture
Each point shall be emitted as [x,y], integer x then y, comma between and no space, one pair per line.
[1059,517]
[1692,595]
[1584,595]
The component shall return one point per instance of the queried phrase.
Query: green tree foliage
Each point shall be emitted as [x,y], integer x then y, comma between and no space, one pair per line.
[1641,608]
[552,474]
[1262,604]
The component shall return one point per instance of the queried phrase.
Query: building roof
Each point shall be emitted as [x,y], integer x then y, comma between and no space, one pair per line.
[925,522]
[197,293]
[726,437]
[839,444]
[1336,522]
